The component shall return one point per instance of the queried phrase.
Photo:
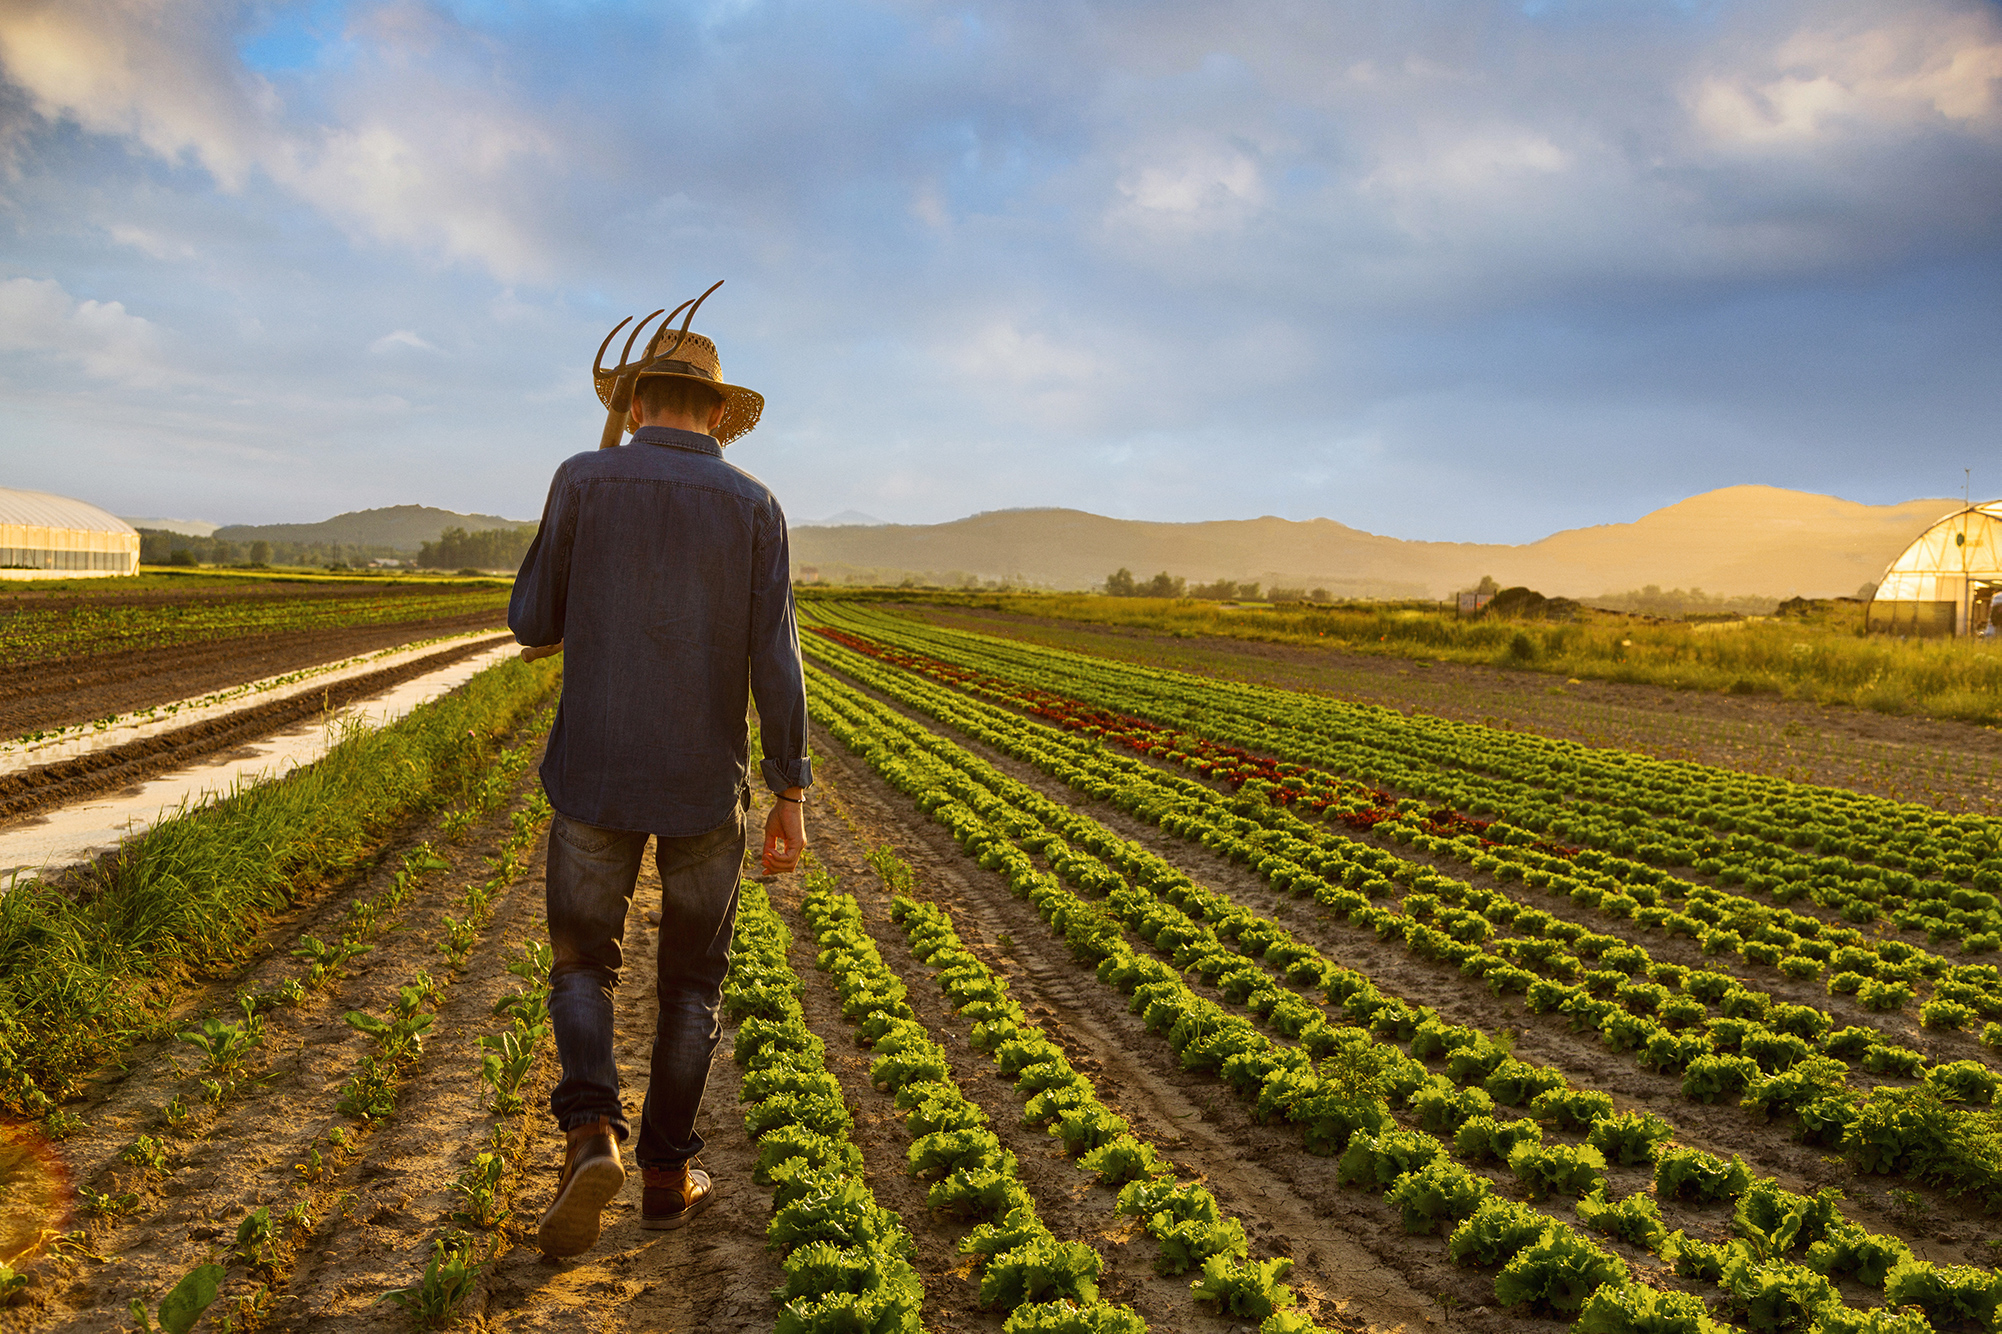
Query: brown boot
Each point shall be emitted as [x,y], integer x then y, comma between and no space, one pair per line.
[673,1195]
[592,1175]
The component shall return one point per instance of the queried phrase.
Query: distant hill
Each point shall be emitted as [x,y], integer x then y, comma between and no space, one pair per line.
[185,527]
[402,527]
[1741,540]
[837,520]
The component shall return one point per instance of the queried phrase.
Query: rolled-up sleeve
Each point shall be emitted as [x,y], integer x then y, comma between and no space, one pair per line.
[542,585]
[778,682]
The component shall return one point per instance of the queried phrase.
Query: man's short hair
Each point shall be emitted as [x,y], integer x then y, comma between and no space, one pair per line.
[658,394]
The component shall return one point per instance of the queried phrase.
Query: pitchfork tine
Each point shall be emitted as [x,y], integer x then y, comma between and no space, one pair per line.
[598,362]
[627,350]
[687,319]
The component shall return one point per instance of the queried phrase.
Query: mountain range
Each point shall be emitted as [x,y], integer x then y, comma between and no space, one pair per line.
[402,527]
[1738,541]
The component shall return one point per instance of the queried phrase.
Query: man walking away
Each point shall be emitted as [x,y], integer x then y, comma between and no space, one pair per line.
[661,572]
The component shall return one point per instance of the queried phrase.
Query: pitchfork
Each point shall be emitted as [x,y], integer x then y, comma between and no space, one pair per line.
[626,373]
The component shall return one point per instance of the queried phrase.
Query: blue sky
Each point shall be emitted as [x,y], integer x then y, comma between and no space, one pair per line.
[1441,270]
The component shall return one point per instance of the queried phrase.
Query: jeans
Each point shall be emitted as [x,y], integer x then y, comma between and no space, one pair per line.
[591,874]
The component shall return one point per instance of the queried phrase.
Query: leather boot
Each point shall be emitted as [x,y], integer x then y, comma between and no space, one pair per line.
[673,1195]
[592,1174]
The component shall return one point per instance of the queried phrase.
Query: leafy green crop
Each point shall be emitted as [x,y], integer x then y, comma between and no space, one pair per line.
[1566,1169]
[1694,1174]
[1635,1219]
[1630,1308]
[1558,1270]
[1442,1191]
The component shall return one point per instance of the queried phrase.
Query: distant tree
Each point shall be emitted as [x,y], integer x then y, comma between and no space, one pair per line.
[1120,583]
[487,549]
[1162,585]
[1487,585]
[1866,592]
[185,556]
[1287,595]
[1318,595]
[260,553]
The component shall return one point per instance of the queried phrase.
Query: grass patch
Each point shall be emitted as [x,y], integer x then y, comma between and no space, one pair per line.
[88,967]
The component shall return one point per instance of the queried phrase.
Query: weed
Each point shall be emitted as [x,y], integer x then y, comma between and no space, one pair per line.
[184,1304]
[455,824]
[59,1124]
[255,1236]
[479,1184]
[299,1217]
[176,1111]
[146,1152]
[448,1280]
[106,1205]
[223,1045]
[460,937]
[1911,1209]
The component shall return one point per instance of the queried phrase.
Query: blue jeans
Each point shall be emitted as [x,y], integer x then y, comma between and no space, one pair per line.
[590,885]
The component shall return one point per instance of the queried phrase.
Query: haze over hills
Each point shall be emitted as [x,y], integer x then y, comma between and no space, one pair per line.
[1738,541]
[402,527]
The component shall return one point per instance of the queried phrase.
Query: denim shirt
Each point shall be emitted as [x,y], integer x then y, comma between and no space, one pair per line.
[665,572]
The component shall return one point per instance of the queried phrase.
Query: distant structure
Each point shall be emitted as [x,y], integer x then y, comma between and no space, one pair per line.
[43,536]
[1945,582]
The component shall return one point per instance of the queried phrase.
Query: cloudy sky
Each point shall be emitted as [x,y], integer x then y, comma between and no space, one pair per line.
[1434,268]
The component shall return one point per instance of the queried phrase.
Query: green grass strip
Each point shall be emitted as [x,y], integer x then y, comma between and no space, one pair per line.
[90,967]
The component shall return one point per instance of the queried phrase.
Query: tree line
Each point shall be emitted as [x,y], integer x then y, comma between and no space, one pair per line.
[486,549]
[1121,584]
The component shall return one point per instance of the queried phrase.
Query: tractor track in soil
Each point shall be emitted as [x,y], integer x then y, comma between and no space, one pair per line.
[29,792]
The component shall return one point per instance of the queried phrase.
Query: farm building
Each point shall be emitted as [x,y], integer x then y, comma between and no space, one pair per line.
[1945,582]
[43,536]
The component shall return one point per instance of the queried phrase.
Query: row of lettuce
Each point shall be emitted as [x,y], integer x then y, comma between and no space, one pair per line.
[1861,856]
[1777,1058]
[1329,1080]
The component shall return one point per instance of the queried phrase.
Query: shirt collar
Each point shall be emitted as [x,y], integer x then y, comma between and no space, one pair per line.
[676,438]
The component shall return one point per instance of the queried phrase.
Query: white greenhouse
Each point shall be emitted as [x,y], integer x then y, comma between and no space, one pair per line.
[1945,582]
[44,536]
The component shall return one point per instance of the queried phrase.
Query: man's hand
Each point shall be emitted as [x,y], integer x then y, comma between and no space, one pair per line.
[541,651]
[785,832]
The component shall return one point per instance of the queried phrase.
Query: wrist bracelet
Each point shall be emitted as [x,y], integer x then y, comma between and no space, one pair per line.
[797,801]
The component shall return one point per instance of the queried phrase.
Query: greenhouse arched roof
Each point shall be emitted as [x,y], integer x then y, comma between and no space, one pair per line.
[1946,581]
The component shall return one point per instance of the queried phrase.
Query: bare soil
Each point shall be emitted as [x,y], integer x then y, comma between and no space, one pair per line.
[1950,765]
[85,687]
[44,787]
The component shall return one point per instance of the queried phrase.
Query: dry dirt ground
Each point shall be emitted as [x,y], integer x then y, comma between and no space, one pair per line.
[1950,765]
[84,687]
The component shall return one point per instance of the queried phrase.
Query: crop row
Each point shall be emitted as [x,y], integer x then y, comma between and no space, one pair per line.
[36,634]
[1286,1084]
[1924,870]
[1882,973]
[1783,1059]
[1184,1219]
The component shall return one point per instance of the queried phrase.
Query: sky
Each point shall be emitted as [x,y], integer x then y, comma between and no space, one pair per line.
[1432,268]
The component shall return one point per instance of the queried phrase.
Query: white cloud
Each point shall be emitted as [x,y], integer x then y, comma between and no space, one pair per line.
[1933,67]
[108,343]
[400,340]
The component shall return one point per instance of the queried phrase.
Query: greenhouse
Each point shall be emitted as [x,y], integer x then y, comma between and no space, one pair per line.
[44,536]
[1945,582]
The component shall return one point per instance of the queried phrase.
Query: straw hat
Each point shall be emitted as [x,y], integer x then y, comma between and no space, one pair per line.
[695,359]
